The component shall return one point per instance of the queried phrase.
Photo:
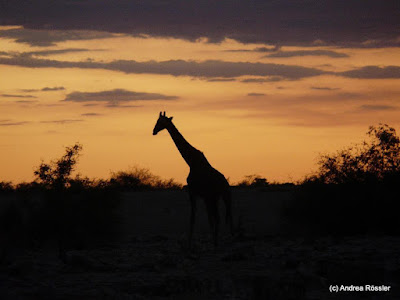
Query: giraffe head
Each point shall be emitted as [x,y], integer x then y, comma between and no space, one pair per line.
[162,123]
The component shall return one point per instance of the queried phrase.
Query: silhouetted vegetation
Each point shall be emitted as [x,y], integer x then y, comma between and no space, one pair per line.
[56,175]
[372,161]
[355,190]
[58,207]
[259,183]
[253,181]
[70,209]
[6,187]
[141,179]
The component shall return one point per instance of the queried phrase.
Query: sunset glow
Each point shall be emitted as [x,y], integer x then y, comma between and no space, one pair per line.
[252,104]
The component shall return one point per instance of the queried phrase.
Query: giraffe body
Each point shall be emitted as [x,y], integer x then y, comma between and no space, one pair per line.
[203,181]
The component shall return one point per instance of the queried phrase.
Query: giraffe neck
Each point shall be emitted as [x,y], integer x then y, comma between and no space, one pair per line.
[187,151]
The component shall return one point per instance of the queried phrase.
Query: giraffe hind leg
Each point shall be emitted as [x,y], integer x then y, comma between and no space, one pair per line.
[213,218]
[228,206]
[216,227]
[192,218]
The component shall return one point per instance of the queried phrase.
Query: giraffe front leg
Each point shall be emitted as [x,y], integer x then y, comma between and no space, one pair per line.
[213,219]
[228,206]
[192,217]
[216,225]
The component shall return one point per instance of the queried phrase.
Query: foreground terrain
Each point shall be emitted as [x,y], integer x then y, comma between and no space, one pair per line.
[150,259]
[248,268]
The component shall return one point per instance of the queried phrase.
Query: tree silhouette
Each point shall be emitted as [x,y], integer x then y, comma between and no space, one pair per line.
[375,160]
[253,180]
[56,174]
[355,190]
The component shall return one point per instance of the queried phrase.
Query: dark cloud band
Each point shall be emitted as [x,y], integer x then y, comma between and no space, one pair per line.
[14,123]
[16,96]
[367,23]
[45,89]
[368,107]
[373,72]
[210,69]
[206,69]
[46,38]
[115,97]
[255,94]
[286,54]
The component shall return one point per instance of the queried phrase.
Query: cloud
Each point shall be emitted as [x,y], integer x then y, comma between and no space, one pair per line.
[9,123]
[258,49]
[221,79]
[276,52]
[17,96]
[46,38]
[115,97]
[50,89]
[204,69]
[368,107]
[335,108]
[324,88]
[373,72]
[265,49]
[329,53]
[52,132]
[285,22]
[335,97]
[62,121]
[45,52]
[26,101]
[255,94]
[262,79]
[51,104]
[45,89]
[91,114]
[212,69]
[55,52]
[113,105]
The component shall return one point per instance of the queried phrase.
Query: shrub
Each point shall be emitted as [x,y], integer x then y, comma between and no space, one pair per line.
[376,159]
[56,174]
[354,189]
[141,179]
[57,206]
[253,181]
[6,187]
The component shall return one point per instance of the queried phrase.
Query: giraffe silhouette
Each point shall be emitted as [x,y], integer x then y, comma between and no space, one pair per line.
[203,181]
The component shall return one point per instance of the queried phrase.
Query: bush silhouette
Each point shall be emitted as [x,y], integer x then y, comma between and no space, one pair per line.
[371,161]
[354,190]
[57,206]
[253,181]
[141,179]
[57,173]
[6,187]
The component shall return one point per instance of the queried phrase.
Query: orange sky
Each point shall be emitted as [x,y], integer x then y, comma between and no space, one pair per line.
[249,114]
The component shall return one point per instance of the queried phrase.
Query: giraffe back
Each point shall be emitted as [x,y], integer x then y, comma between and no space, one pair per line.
[204,180]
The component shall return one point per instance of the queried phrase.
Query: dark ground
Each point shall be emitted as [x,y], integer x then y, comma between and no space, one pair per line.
[150,261]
